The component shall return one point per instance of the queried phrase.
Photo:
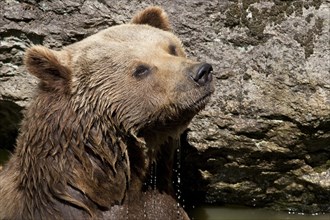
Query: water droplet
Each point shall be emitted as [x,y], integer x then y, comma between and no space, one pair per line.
[127,212]
[177,172]
[145,206]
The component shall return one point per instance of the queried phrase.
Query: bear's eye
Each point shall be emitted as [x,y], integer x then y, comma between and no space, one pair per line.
[173,51]
[141,71]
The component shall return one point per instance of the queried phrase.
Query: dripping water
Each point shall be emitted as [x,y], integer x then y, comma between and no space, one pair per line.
[150,186]
[154,176]
[145,201]
[153,183]
[127,208]
[177,173]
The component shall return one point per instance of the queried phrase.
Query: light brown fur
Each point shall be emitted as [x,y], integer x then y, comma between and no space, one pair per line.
[107,109]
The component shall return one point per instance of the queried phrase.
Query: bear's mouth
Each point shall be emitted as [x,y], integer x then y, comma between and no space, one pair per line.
[199,103]
[203,100]
[186,111]
[179,115]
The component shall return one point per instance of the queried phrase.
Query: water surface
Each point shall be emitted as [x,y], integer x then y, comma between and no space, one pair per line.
[234,213]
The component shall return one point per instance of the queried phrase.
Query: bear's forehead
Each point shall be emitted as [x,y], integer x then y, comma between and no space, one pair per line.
[138,33]
[130,35]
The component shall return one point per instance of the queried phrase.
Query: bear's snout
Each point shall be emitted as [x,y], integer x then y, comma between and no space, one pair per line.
[202,74]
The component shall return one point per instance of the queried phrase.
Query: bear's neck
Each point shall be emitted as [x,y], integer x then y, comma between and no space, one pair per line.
[70,155]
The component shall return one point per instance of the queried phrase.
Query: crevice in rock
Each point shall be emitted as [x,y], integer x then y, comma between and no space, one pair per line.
[10,118]
[258,135]
[20,34]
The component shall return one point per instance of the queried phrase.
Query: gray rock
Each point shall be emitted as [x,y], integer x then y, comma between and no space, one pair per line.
[264,140]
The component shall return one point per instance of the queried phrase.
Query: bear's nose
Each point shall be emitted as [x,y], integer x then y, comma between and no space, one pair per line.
[203,74]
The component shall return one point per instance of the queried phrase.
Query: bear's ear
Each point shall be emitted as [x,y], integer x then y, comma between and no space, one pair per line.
[45,64]
[153,16]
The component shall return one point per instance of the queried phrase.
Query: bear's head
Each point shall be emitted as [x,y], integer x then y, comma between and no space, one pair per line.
[135,76]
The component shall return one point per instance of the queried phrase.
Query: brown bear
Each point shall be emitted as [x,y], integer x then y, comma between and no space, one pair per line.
[107,118]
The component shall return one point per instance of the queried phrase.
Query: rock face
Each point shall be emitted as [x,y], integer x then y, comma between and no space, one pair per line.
[264,140]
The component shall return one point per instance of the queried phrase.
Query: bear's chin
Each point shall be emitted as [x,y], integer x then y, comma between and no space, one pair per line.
[201,102]
[181,116]
[193,106]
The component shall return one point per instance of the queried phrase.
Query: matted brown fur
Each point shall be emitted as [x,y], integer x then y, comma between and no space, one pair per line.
[107,110]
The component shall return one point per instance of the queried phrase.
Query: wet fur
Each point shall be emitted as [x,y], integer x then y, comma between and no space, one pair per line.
[87,142]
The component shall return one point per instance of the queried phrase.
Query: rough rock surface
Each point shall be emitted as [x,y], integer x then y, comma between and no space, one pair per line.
[264,140]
